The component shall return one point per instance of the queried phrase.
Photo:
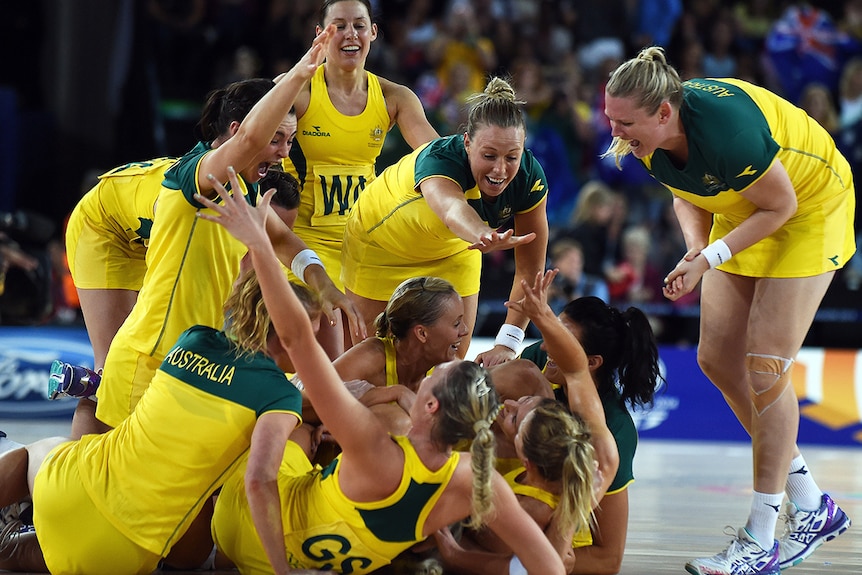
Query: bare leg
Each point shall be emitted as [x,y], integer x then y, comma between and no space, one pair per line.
[13,476]
[84,420]
[369,308]
[775,314]
[333,338]
[104,311]
[471,308]
[21,552]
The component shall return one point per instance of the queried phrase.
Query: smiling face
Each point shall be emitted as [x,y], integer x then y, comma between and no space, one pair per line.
[443,337]
[354,33]
[513,414]
[643,131]
[495,154]
[277,149]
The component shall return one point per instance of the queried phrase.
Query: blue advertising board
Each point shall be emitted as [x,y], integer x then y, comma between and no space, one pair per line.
[26,354]
[828,383]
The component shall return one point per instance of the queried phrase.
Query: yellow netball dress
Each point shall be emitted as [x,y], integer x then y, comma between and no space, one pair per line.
[735,132]
[118,501]
[333,157]
[393,235]
[326,530]
[191,267]
[109,229]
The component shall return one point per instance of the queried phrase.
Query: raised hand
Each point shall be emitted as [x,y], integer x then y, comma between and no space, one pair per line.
[535,300]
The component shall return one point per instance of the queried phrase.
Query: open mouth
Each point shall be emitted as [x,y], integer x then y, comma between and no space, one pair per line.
[262,169]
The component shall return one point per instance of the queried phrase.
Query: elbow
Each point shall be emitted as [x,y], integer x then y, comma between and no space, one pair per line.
[256,482]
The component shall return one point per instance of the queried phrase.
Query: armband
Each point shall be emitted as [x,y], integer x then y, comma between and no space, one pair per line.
[716,253]
[302,260]
[510,336]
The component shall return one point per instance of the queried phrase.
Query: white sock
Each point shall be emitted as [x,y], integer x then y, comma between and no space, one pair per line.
[763,518]
[801,488]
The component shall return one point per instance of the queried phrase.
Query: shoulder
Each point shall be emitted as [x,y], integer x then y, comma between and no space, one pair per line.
[394,91]
[363,360]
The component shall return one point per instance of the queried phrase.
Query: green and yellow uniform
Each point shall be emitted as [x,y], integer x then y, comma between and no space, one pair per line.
[323,528]
[735,132]
[117,502]
[393,235]
[191,267]
[333,156]
[109,229]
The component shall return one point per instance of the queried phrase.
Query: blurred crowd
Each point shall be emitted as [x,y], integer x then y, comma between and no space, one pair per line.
[614,233]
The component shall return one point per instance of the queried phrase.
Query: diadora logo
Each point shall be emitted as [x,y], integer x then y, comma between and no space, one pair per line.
[317,132]
[26,355]
[748,171]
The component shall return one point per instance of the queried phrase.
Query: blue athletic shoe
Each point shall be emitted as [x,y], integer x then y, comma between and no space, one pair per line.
[67,380]
[807,530]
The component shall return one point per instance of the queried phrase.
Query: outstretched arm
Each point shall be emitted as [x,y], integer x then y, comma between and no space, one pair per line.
[261,123]
[268,439]
[529,260]
[572,361]
[354,427]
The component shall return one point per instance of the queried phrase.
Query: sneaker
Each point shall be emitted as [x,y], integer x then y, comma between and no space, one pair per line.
[67,380]
[805,531]
[742,557]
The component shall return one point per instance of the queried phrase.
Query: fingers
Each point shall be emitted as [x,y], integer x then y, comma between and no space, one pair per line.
[358,331]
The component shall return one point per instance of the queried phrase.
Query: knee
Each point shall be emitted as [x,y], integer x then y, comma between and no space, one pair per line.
[769,378]
[709,362]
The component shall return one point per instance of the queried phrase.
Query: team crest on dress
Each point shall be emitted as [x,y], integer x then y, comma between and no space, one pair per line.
[713,184]
[505,213]
[376,134]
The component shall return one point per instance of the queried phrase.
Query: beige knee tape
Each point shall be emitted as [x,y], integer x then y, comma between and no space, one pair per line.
[763,368]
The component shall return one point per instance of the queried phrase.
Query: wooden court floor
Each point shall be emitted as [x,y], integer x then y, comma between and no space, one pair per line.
[683,496]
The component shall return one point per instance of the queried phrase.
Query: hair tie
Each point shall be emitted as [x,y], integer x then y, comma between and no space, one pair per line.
[480,425]
[482,387]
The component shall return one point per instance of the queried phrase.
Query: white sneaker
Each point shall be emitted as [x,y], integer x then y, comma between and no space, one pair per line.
[805,531]
[743,556]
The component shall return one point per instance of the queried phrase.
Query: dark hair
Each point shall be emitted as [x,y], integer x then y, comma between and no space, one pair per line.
[286,187]
[625,341]
[230,104]
[327,4]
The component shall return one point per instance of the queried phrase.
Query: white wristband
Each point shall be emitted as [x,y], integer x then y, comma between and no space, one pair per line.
[716,253]
[516,567]
[510,336]
[302,260]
